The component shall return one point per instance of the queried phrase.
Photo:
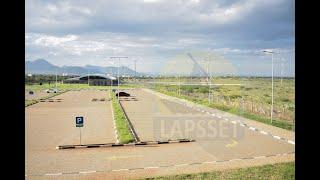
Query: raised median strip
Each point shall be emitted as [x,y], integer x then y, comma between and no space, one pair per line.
[124,132]
[133,132]
[163,166]
[120,144]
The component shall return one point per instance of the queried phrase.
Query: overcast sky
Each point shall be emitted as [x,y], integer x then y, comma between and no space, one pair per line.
[82,32]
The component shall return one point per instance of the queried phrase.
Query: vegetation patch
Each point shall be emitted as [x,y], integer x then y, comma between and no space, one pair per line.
[284,171]
[124,133]
[236,111]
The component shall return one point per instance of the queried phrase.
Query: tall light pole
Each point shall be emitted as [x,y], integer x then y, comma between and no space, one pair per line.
[118,57]
[88,77]
[179,85]
[271,52]
[135,71]
[209,79]
[281,70]
[56,80]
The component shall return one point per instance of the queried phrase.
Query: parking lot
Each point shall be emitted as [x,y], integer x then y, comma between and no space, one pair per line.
[52,123]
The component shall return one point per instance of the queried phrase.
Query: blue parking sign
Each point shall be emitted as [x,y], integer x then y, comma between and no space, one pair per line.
[79,121]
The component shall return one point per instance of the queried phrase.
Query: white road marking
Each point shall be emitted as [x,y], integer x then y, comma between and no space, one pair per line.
[235,159]
[209,162]
[259,157]
[263,132]
[277,137]
[213,114]
[151,167]
[87,172]
[233,122]
[120,170]
[291,142]
[219,117]
[53,174]
[252,128]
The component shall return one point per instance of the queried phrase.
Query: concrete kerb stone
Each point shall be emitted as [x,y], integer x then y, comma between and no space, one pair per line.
[128,144]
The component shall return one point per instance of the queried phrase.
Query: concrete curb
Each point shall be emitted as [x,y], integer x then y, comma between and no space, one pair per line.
[119,144]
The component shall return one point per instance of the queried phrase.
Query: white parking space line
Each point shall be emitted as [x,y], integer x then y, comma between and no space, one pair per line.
[277,137]
[291,142]
[120,170]
[252,128]
[87,172]
[151,167]
[263,132]
[259,157]
[53,174]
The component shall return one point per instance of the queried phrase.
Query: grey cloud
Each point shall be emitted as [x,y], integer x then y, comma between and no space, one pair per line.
[156,30]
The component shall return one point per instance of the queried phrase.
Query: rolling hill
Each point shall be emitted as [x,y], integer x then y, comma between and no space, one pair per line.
[41,66]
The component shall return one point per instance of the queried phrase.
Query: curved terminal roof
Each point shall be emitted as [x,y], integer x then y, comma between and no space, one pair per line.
[93,76]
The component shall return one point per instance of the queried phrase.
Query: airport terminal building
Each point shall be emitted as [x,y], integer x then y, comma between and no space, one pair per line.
[93,80]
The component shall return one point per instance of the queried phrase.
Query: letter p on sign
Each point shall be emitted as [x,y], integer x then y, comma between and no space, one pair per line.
[79,121]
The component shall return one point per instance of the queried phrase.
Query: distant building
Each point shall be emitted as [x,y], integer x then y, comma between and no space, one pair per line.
[94,80]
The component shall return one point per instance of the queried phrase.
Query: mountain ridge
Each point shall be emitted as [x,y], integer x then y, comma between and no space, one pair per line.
[42,66]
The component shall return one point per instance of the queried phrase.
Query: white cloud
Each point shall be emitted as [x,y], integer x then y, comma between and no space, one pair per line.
[150,1]
[54,41]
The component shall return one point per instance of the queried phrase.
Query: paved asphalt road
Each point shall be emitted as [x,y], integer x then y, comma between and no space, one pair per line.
[51,123]
[224,140]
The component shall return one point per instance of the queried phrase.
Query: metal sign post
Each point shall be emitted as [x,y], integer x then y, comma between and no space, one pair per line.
[79,124]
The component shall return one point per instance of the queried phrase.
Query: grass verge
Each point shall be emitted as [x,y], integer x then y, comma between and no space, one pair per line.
[284,171]
[122,125]
[239,112]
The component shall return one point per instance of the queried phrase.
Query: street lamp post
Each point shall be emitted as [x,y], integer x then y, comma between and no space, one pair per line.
[88,78]
[56,80]
[209,79]
[118,57]
[271,52]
